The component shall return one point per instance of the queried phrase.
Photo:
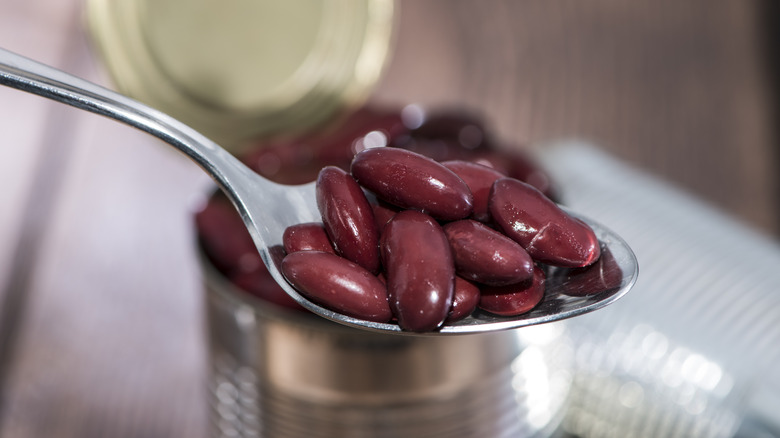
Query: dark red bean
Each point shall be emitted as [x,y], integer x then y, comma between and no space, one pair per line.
[604,275]
[224,237]
[306,237]
[413,181]
[465,300]
[486,256]
[466,129]
[298,159]
[518,164]
[348,217]
[547,232]
[383,212]
[437,149]
[419,269]
[514,299]
[358,131]
[480,179]
[338,284]
[285,161]
[261,284]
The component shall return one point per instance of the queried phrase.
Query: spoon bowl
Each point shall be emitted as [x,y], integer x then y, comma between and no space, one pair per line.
[268,208]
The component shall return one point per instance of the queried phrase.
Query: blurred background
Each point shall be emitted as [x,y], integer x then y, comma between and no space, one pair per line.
[683,89]
[102,332]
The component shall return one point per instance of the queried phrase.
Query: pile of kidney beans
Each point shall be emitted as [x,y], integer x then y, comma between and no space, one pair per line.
[425,219]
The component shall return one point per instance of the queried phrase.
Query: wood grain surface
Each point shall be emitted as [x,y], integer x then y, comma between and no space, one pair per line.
[95,230]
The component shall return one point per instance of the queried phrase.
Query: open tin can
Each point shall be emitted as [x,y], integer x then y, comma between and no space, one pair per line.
[286,373]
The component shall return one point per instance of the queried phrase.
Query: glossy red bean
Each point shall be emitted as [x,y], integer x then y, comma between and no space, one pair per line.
[514,299]
[604,275]
[383,212]
[465,300]
[348,217]
[486,256]
[338,284]
[306,237]
[548,233]
[419,269]
[413,181]
[480,179]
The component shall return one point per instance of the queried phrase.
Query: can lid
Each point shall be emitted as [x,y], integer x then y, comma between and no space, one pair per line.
[244,68]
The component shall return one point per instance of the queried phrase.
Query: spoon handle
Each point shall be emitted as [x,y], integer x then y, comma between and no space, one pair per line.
[24,74]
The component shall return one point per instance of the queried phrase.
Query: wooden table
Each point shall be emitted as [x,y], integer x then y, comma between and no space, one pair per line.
[95,230]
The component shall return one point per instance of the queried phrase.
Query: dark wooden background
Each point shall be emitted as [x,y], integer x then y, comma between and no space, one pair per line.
[103,333]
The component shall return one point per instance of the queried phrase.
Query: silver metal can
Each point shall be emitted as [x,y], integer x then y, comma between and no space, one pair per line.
[279,373]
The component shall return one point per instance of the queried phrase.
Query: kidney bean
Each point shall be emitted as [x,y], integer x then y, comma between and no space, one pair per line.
[298,159]
[359,129]
[435,148]
[486,256]
[306,237]
[604,275]
[348,217]
[419,270]
[548,233]
[383,212]
[467,130]
[514,299]
[518,164]
[464,301]
[411,180]
[480,179]
[283,161]
[468,183]
[224,237]
[338,284]
[261,284]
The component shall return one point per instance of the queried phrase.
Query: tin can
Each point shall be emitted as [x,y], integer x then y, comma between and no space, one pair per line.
[281,373]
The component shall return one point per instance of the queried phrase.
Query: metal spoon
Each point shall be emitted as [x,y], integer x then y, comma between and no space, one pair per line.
[268,208]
